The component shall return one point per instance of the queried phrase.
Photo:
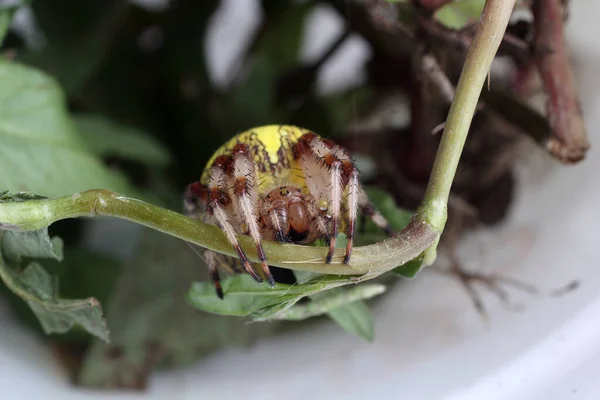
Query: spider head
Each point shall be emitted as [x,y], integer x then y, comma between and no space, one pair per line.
[285,213]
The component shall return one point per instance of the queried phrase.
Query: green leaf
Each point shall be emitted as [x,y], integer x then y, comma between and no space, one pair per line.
[58,315]
[40,150]
[6,196]
[344,306]
[77,35]
[355,318]
[245,297]
[108,138]
[386,204]
[398,219]
[152,325]
[97,279]
[40,290]
[410,269]
[459,13]
[37,244]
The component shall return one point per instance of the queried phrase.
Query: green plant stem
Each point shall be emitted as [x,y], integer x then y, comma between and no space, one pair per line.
[490,31]
[366,260]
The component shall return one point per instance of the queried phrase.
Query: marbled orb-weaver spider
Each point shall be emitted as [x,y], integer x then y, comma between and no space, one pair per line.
[280,183]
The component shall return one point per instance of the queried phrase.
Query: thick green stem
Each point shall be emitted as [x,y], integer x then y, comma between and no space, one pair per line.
[372,260]
[490,32]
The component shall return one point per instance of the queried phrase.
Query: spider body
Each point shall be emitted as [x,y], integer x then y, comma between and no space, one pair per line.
[271,150]
[282,183]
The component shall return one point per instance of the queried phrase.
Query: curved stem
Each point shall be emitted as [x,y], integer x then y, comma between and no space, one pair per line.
[482,51]
[372,260]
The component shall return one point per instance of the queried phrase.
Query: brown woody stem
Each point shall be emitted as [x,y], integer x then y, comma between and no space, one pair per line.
[568,141]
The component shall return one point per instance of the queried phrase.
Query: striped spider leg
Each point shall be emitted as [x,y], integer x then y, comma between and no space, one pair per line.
[332,179]
[229,201]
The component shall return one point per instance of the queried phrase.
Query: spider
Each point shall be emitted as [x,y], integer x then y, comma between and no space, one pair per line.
[282,183]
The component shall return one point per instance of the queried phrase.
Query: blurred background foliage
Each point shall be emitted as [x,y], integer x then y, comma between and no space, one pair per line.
[118,95]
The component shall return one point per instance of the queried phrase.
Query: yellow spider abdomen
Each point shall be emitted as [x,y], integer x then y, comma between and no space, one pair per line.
[271,147]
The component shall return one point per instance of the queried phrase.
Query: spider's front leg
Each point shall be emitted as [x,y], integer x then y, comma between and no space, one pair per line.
[195,205]
[330,172]
[245,191]
[221,206]
[370,211]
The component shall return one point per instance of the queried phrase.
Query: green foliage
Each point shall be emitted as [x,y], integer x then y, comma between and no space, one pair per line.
[36,244]
[344,306]
[151,323]
[39,289]
[58,315]
[386,204]
[355,317]
[459,13]
[410,269]
[108,138]
[40,150]
[398,219]
[244,297]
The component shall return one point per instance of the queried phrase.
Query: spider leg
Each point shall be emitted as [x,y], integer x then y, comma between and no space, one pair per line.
[352,205]
[370,211]
[245,191]
[218,201]
[335,203]
[275,219]
[329,172]
[195,205]
[318,223]
[213,264]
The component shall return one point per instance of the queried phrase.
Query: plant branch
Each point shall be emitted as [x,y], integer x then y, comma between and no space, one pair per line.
[490,30]
[568,141]
[369,260]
